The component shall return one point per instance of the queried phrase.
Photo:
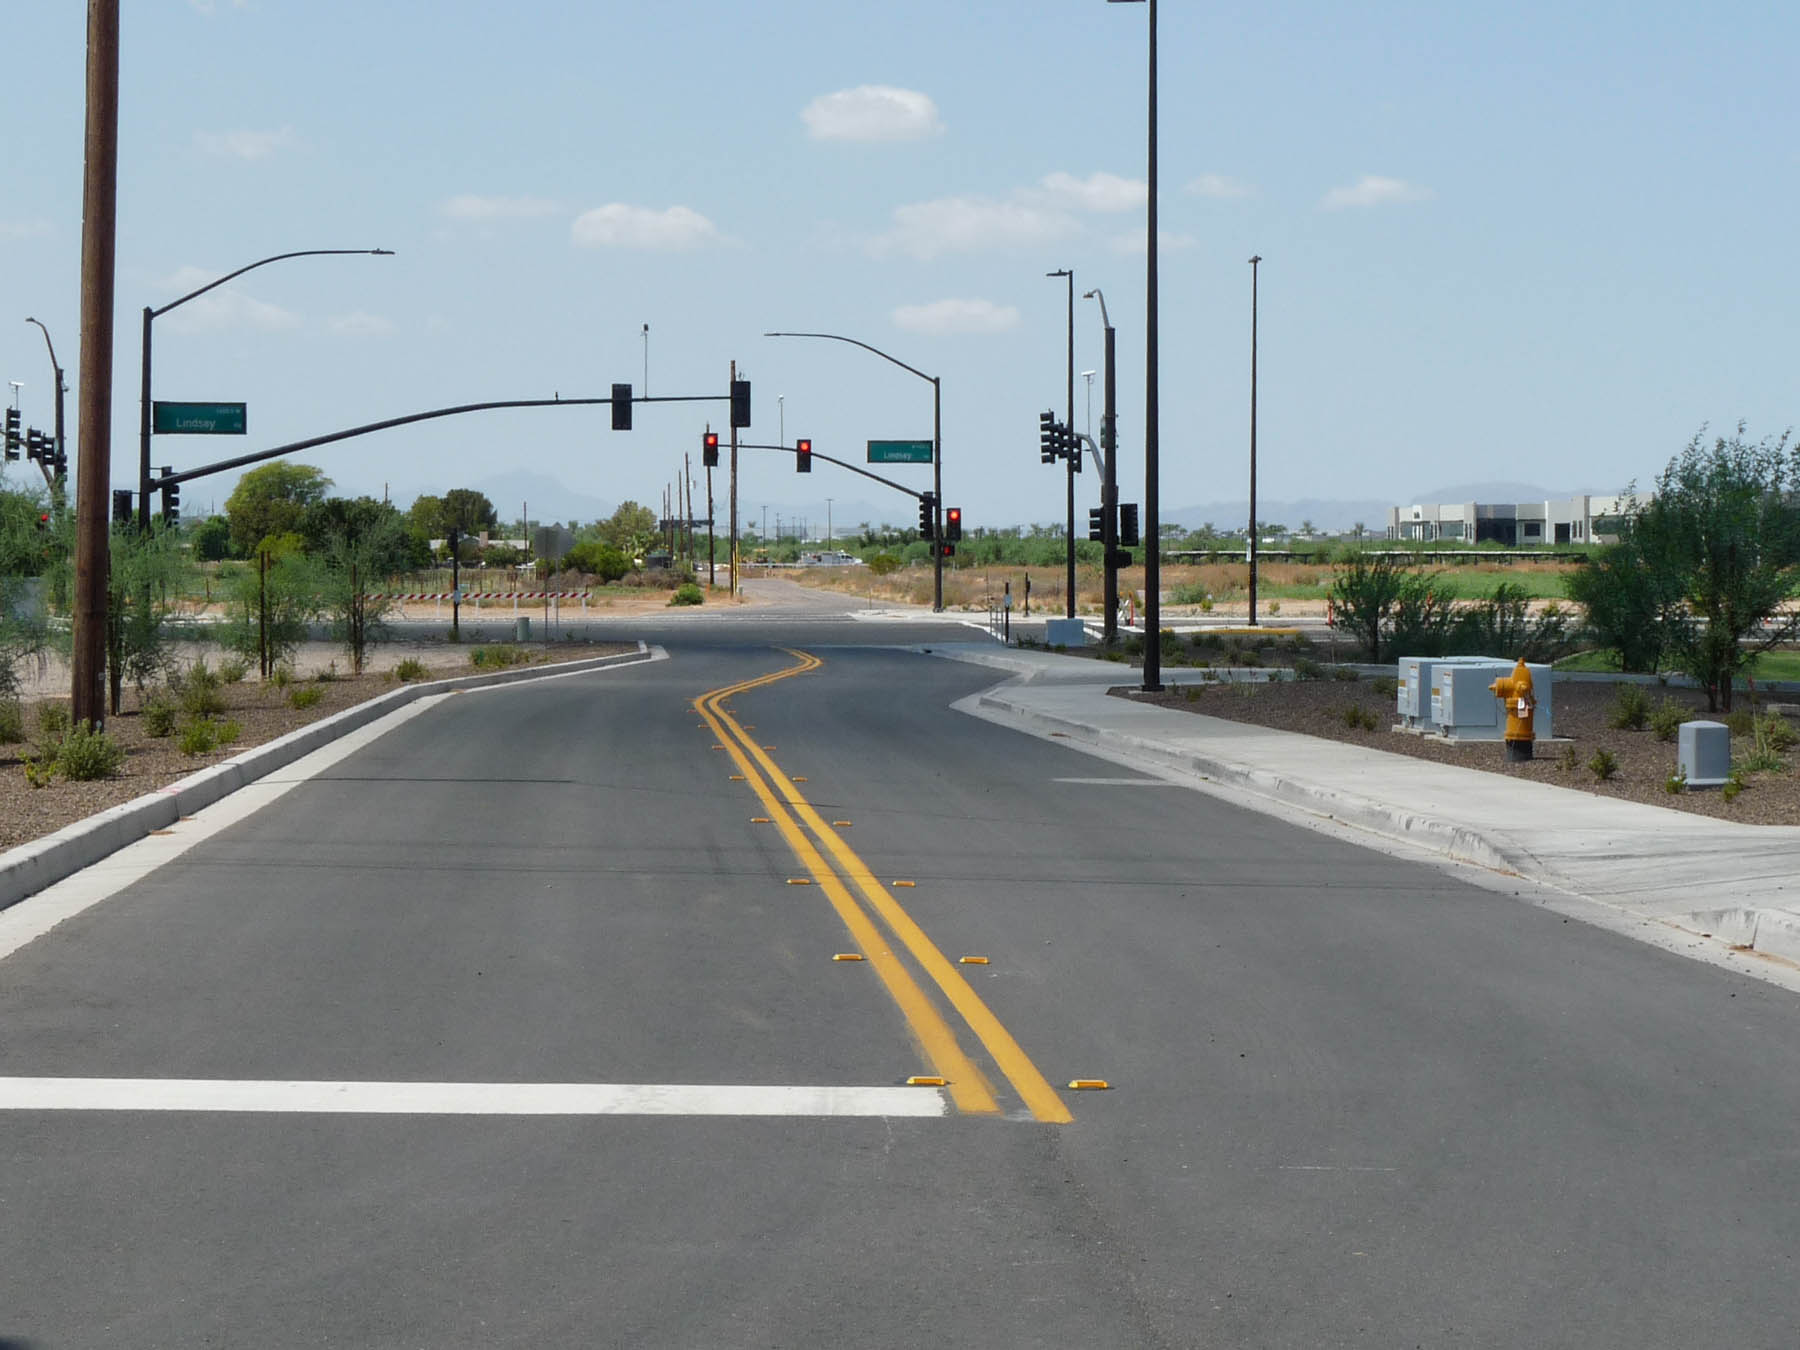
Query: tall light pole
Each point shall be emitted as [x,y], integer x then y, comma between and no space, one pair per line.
[828,501]
[646,360]
[1088,377]
[1069,421]
[1109,477]
[144,387]
[61,389]
[937,456]
[1254,263]
[1152,409]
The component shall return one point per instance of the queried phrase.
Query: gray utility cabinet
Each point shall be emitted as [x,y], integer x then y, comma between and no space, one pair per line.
[1465,709]
[1413,687]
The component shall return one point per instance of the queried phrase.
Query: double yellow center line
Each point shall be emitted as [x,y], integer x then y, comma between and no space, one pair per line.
[789,811]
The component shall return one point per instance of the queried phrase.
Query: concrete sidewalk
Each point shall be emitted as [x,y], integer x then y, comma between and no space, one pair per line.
[1737,884]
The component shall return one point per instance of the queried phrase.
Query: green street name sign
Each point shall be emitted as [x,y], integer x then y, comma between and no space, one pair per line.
[198,419]
[899,452]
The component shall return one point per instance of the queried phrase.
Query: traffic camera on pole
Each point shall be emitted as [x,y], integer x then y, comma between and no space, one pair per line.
[709,450]
[803,455]
[927,515]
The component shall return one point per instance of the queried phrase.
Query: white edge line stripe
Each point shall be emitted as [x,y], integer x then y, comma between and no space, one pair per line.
[464,1099]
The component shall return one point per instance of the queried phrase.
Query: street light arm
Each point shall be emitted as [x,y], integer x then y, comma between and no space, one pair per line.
[838,337]
[1095,295]
[51,345]
[263,262]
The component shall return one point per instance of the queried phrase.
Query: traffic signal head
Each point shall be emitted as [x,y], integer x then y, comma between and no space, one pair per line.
[1097,524]
[171,502]
[1128,524]
[1049,442]
[709,450]
[953,522]
[621,407]
[740,403]
[927,515]
[121,500]
[12,433]
[803,455]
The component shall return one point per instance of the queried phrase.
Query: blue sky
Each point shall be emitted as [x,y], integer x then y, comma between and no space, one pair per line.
[1539,243]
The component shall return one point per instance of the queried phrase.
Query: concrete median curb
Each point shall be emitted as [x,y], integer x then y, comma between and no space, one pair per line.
[31,867]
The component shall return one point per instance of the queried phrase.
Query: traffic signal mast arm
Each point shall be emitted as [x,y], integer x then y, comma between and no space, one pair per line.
[842,464]
[294,447]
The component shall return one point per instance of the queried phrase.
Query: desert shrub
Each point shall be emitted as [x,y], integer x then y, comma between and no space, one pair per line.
[1305,668]
[1675,783]
[282,676]
[233,669]
[687,593]
[1359,718]
[1742,722]
[1568,761]
[198,690]
[305,696]
[329,675]
[38,772]
[198,737]
[1666,719]
[1776,732]
[159,716]
[12,722]
[1630,709]
[497,658]
[86,754]
[410,669]
[53,724]
[884,564]
[1385,685]
[1348,675]
[1604,765]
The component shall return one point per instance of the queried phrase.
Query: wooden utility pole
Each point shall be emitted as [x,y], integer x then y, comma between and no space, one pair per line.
[734,527]
[99,203]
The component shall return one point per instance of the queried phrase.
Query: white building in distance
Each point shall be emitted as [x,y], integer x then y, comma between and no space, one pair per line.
[1567,520]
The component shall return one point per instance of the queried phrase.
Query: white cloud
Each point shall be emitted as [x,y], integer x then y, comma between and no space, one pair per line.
[962,224]
[1138,241]
[222,310]
[871,112]
[619,225]
[1219,187]
[359,323]
[1097,192]
[1373,190]
[471,207]
[245,144]
[956,316]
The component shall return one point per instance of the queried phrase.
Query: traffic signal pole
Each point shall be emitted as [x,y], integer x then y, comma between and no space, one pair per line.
[734,504]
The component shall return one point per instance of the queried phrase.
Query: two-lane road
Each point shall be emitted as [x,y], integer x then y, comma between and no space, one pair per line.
[532,1013]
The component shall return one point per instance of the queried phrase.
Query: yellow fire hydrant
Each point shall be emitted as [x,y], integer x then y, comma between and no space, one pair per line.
[1515,692]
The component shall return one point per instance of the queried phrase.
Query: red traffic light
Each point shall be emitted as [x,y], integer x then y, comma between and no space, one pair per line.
[953,522]
[709,450]
[803,455]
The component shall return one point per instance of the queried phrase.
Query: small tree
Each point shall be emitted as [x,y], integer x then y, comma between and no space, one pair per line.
[269,606]
[359,554]
[1363,595]
[147,577]
[1725,520]
[1633,601]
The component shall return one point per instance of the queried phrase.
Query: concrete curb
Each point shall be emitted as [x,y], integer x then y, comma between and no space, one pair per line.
[31,867]
[1456,841]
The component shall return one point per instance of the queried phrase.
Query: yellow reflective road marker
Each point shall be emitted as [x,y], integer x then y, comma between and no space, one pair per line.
[1033,1089]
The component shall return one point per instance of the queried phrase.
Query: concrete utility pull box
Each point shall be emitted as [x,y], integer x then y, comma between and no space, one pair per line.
[1413,687]
[1703,753]
[1465,709]
[1065,633]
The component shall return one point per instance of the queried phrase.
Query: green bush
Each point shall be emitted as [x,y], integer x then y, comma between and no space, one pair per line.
[233,669]
[159,716]
[12,722]
[687,594]
[198,737]
[1666,719]
[884,564]
[1346,675]
[1359,718]
[1630,709]
[198,687]
[305,696]
[1675,783]
[498,658]
[229,730]
[1385,685]
[1305,668]
[1776,732]
[1604,765]
[53,724]
[1742,722]
[86,754]
[410,669]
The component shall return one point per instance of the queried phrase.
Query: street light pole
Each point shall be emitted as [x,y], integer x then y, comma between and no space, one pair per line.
[937,456]
[1152,409]
[62,460]
[144,386]
[1109,478]
[1254,262]
[1069,421]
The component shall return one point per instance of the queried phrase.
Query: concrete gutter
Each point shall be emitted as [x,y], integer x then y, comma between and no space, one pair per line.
[31,867]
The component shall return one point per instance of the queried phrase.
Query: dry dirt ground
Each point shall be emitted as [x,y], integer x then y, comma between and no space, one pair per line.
[1582,711]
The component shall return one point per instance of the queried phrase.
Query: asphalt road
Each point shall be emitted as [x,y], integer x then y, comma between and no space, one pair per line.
[1354,1101]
